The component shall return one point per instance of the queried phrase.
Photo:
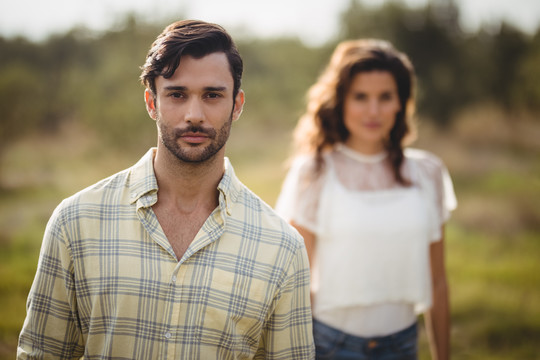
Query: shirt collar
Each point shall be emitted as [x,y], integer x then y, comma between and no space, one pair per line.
[143,184]
[229,188]
[144,187]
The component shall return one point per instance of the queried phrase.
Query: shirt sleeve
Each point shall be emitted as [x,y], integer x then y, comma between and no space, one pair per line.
[448,200]
[51,328]
[436,182]
[288,333]
[298,200]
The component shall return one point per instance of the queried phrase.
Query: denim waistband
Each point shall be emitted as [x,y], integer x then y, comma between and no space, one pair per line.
[358,341]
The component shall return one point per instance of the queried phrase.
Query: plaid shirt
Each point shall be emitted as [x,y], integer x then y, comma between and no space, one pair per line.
[108,285]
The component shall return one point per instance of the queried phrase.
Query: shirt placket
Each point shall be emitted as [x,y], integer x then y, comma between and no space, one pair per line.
[175,316]
[172,316]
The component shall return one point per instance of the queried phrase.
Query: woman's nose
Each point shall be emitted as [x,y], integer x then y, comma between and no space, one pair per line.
[373,107]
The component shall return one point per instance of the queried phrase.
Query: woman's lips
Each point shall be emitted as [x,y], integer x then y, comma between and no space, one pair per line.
[372,125]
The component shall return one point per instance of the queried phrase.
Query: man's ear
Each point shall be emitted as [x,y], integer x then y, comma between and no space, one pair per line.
[238,105]
[150,102]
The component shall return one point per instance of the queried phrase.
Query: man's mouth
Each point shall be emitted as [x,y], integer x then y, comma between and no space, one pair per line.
[195,134]
[194,137]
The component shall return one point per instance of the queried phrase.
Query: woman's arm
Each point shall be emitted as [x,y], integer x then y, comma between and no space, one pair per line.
[438,317]
[309,241]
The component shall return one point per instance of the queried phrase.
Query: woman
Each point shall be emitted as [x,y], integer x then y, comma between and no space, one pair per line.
[371,212]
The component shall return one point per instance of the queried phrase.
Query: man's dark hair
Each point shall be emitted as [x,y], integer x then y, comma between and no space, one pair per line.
[194,38]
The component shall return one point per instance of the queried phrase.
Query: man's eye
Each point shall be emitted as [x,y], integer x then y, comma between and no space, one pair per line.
[213,95]
[176,95]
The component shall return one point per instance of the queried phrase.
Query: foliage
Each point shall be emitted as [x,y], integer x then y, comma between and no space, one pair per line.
[483,88]
[454,68]
[277,74]
[525,91]
[93,78]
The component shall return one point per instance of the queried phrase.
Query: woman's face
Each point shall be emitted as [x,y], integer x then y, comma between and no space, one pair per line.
[370,109]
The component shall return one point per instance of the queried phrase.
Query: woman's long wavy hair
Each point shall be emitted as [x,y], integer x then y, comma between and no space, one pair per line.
[322,126]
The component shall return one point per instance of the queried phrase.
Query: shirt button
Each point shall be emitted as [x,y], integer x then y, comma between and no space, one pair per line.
[168,335]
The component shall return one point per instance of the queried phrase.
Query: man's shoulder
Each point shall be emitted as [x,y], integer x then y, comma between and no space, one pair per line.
[263,215]
[113,188]
[109,190]
[110,184]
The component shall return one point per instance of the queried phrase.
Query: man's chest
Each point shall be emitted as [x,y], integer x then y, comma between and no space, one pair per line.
[180,228]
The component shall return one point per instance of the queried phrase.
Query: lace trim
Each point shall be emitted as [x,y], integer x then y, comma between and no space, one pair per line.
[369,159]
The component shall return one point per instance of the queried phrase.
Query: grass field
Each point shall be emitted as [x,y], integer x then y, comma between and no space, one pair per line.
[493,239]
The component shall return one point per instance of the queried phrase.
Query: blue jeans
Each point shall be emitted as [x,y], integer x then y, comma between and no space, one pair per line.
[331,343]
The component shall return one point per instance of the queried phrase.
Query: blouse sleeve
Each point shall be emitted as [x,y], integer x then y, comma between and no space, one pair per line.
[298,200]
[437,185]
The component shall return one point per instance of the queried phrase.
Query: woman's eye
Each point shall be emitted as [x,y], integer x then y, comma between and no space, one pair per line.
[387,96]
[359,96]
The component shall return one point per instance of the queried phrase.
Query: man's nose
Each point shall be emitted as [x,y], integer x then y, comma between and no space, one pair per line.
[194,111]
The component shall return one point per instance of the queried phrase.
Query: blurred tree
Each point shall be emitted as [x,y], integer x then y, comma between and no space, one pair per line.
[519,69]
[277,74]
[22,91]
[92,78]
[110,95]
[430,36]
[22,104]
[477,74]
[526,86]
[509,49]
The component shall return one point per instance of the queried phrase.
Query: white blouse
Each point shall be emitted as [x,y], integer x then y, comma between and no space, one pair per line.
[371,274]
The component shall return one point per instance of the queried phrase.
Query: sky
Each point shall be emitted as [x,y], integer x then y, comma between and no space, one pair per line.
[313,21]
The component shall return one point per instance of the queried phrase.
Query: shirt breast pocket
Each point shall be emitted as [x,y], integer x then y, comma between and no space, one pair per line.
[237,306]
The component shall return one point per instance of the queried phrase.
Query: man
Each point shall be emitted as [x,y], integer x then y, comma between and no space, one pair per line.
[173,258]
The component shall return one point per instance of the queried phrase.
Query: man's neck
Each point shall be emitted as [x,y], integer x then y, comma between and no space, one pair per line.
[188,185]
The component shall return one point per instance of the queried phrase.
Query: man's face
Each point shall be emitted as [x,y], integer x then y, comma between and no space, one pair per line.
[194,109]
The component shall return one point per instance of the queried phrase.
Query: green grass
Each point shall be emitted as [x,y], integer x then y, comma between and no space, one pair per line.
[495,294]
[492,240]
[18,262]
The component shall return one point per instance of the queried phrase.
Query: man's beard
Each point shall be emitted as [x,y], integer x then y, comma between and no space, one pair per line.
[195,153]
